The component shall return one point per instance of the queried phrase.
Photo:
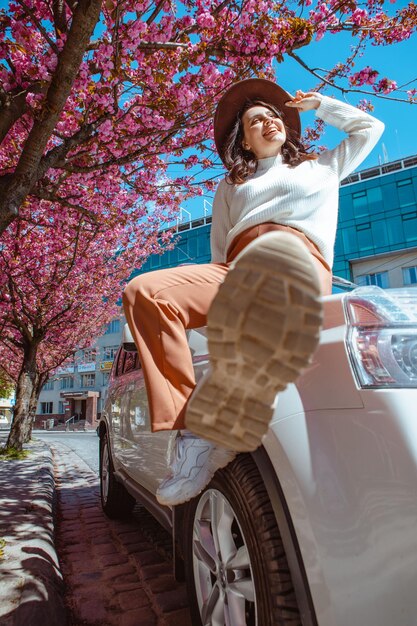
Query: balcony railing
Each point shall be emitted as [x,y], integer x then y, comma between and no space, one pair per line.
[380,170]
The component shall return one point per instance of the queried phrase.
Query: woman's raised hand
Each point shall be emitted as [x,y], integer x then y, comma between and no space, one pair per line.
[304,101]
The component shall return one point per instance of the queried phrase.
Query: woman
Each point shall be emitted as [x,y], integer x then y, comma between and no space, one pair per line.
[273,231]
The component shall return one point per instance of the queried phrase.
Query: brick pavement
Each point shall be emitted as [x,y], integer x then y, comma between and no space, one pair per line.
[112,571]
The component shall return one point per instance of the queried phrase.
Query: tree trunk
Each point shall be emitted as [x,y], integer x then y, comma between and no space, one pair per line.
[33,403]
[27,384]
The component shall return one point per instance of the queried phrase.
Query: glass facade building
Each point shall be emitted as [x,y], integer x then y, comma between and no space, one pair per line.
[76,392]
[377,216]
[193,246]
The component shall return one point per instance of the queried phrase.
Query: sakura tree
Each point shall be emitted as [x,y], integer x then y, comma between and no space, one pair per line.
[95,92]
[60,280]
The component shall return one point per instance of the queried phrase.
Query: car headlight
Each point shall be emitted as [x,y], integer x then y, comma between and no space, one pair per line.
[382,336]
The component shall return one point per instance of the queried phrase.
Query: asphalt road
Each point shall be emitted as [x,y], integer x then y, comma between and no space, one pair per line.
[85,445]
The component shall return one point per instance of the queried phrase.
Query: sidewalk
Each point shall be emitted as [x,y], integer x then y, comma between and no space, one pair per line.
[115,571]
[31,585]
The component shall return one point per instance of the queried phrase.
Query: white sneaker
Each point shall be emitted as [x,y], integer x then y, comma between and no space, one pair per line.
[194,462]
[262,328]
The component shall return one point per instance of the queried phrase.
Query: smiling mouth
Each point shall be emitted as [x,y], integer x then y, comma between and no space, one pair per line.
[271,132]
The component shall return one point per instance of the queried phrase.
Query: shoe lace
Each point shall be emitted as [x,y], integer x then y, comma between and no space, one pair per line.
[176,453]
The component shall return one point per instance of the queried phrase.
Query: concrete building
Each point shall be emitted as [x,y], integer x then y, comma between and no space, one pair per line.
[6,410]
[376,244]
[77,392]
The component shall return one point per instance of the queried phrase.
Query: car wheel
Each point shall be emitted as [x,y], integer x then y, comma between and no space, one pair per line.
[236,568]
[116,502]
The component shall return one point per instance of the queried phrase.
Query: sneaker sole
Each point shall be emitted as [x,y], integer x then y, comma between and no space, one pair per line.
[262,328]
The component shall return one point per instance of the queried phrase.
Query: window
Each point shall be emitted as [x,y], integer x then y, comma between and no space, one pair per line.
[89,355]
[67,382]
[88,380]
[380,233]
[173,257]
[404,182]
[126,362]
[183,256]
[365,239]
[131,362]
[47,408]
[155,260]
[120,363]
[350,240]
[395,230]
[113,327]
[405,191]
[193,246]
[360,203]
[389,196]
[48,385]
[410,226]
[105,380]
[375,204]
[410,275]
[379,278]
[110,352]
[370,173]
[391,167]
[61,408]
[345,207]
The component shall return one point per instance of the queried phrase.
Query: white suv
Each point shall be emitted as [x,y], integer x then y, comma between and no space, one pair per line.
[319,525]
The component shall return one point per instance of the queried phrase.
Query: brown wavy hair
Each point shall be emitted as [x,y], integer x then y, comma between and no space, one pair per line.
[243,163]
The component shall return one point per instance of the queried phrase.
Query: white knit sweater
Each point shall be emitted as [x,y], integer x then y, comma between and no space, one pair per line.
[306,196]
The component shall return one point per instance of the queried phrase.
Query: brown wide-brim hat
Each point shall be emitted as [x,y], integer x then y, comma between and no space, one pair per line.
[233,101]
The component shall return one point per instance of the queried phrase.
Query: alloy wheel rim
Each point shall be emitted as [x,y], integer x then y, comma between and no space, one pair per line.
[223,573]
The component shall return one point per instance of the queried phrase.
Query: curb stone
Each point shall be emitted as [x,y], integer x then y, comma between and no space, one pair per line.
[31,583]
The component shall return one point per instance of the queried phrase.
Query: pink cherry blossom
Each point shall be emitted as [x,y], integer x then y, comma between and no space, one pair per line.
[367,76]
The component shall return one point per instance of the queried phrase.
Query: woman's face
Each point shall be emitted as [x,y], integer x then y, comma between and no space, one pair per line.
[263,132]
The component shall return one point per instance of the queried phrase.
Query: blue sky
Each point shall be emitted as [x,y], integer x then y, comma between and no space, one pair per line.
[395,62]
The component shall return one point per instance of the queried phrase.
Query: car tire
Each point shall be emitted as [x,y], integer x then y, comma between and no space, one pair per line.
[235,564]
[116,501]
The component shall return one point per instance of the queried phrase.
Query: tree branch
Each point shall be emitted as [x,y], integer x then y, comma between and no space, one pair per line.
[13,106]
[155,12]
[60,20]
[41,194]
[344,90]
[84,20]
[38,25]
[56,156]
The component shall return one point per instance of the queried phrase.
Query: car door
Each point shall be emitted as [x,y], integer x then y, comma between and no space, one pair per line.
[145,455]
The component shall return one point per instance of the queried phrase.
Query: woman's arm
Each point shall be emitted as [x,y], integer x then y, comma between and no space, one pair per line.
[220,224]
[363,129]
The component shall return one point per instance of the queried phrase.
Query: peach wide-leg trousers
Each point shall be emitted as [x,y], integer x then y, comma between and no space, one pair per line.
[160,306]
